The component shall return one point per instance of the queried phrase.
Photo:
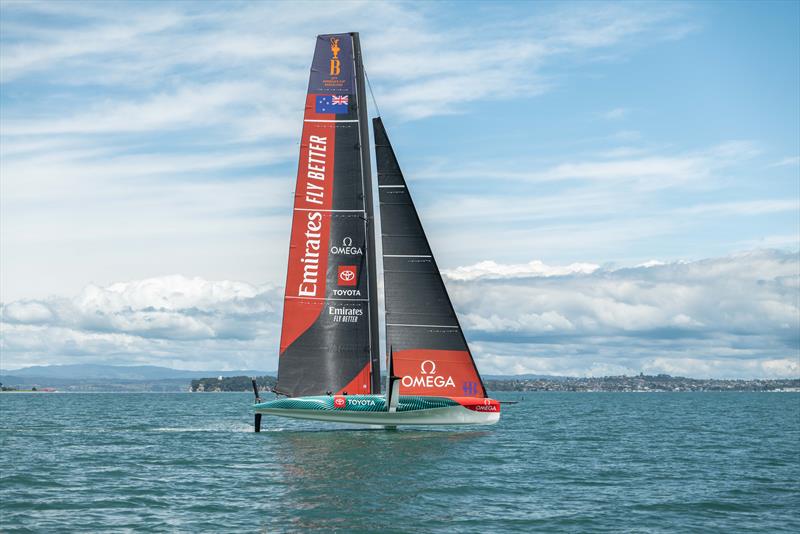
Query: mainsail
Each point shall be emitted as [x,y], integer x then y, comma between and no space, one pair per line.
[429,351]
[329,338]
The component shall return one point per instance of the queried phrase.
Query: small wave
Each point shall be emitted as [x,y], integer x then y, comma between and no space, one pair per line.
[233,429]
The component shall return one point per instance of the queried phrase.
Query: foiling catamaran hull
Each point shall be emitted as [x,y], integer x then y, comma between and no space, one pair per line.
[372,410]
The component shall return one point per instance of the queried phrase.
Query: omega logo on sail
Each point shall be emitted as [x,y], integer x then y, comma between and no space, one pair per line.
[315,172]
[427,377]
[346,248]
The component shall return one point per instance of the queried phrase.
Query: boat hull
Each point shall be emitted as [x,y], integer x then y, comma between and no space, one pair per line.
[371,410]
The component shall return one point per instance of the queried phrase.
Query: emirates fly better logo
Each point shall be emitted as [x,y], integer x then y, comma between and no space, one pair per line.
[347,275]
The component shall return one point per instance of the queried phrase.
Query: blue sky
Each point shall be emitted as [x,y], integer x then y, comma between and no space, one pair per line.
[631,169]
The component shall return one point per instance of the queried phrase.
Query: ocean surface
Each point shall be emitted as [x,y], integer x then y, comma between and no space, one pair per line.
[556,462]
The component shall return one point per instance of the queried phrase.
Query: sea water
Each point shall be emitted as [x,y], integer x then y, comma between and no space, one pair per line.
[556,462]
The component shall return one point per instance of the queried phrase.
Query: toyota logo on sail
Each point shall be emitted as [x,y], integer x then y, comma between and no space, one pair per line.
[347,275]
[427,378]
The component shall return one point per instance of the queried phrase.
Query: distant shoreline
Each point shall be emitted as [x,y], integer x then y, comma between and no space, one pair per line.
[492,392]
[620,384]
[525,383]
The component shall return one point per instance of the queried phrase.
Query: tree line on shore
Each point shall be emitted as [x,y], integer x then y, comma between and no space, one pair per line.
[607,383]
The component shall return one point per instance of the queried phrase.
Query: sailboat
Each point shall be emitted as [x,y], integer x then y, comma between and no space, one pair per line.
[329,364]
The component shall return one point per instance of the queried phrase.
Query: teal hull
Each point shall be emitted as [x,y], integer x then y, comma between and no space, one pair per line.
[371,409]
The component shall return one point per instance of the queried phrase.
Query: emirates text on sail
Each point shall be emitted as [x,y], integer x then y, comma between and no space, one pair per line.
[315,172]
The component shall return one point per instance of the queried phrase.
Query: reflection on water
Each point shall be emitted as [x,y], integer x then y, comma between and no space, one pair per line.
[328,471]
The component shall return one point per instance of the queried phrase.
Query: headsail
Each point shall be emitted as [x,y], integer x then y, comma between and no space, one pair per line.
[329,334]
[430,353]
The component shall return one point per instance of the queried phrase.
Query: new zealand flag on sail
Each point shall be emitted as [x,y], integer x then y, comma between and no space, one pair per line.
[332,104]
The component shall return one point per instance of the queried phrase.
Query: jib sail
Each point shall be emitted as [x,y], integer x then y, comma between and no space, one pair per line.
[329,338]
[429,351]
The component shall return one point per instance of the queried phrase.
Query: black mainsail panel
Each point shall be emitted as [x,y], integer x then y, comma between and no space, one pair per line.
[429,351]
[329,333]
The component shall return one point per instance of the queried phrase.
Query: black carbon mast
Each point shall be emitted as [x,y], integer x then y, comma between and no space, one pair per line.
[366,170]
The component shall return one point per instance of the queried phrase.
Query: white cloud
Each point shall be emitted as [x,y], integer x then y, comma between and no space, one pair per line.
[172,135]
[418,69]
[651,263]
[649,172]
[732,316]
[490,269]
[750,292]
[26,312]
[736,316]
[186,106]
[615,114]
[157,320]
[787,162]
[164,293]
[597,205]
[748,207]
[167,144]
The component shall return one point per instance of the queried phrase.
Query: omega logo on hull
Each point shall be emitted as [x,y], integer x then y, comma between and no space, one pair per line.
[487,406]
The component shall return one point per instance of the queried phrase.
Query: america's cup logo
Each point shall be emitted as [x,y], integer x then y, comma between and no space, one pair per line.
[336,65]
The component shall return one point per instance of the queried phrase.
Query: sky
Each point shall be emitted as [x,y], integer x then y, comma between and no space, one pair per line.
[610,188]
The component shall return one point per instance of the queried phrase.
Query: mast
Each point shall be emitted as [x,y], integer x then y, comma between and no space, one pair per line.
[366,173]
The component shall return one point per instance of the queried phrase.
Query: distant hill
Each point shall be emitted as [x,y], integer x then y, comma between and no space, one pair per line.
[86,371]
